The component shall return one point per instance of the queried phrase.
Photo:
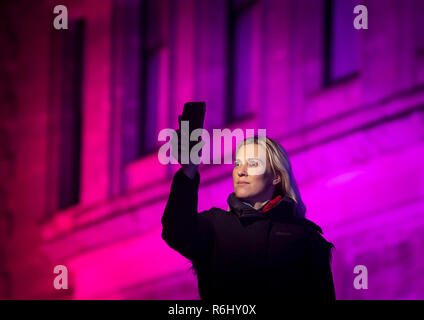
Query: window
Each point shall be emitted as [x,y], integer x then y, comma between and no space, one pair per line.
[241,58]
[341,43]
[69,114]
[152,46]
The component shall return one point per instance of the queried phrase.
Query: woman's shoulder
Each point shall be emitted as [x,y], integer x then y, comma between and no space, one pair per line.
[312,231]
[308,224]
[214,211]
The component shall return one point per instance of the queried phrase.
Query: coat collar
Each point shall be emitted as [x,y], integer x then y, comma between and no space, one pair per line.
[281,207]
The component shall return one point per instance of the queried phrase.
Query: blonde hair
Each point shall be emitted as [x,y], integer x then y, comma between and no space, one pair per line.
[280,165]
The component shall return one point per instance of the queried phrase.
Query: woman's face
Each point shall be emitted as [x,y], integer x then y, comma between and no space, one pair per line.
[252,176]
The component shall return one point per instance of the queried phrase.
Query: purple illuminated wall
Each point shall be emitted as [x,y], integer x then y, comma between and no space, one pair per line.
[356,141]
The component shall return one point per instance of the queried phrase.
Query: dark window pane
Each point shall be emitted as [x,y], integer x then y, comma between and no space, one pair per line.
[70,115]
[152,45]
[240,62]
[152,95]
[341,40]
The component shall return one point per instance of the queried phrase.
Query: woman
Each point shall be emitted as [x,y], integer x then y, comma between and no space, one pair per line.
[262,247]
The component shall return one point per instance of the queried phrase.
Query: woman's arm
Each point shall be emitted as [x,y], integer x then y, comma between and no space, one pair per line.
[184,229]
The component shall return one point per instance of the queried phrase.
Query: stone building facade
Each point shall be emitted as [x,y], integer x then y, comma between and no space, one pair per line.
[80,111]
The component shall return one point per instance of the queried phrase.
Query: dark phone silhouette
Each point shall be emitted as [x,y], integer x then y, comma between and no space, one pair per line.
[194,112]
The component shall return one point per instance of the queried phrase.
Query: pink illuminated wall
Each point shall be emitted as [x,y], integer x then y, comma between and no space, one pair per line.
[356,144]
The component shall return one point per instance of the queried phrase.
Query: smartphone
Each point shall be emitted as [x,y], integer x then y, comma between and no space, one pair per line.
[194,112]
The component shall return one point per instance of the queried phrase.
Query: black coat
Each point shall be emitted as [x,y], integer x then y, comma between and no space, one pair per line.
[246,253]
